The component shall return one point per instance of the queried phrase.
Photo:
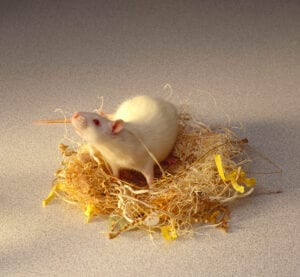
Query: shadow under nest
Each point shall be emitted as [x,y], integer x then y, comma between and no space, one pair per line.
[203,173]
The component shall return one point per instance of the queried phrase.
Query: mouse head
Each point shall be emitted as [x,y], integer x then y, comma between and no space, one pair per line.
[94,127]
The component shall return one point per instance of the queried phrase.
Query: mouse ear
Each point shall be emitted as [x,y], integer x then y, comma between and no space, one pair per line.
[117,126]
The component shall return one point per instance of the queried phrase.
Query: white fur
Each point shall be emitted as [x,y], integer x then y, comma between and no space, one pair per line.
[147,120]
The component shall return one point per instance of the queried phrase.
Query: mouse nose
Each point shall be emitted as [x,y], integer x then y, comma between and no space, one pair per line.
[79,121]
[75,115]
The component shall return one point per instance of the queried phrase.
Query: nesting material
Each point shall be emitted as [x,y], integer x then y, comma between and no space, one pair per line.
[203,174]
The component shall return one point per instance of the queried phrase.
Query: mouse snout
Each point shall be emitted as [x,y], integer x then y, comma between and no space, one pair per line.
[75,115]
[79,121]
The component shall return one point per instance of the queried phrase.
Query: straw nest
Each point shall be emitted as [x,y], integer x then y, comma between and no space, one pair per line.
[203,173]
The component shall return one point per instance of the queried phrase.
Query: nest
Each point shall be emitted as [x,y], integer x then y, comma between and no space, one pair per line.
[192,187]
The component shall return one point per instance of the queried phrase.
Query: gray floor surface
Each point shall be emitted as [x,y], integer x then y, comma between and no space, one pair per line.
[233,62]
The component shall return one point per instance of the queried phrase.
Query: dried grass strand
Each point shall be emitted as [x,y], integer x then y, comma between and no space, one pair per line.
[190,190]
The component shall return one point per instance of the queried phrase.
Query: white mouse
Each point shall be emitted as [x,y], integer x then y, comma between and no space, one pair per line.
[120,137]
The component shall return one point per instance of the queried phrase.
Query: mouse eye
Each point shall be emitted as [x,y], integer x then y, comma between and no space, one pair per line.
[96,122]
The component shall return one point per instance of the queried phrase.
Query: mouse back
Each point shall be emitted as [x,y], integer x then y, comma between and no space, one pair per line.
[153,120]
[143,108]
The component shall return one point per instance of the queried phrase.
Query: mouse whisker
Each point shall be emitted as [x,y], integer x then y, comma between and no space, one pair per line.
[52,121]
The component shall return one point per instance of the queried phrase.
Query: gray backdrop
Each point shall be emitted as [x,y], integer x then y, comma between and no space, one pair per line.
[233,62]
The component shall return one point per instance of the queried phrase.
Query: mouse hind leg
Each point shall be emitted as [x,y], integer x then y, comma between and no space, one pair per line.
[148,172]
[115,169]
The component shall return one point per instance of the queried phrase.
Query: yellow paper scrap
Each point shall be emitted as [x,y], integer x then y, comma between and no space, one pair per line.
[48,198]
[51,194]
[234,176]
[89,212]
[236,186]
[169,232]
[219,165]
[249,182]
[231,175]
